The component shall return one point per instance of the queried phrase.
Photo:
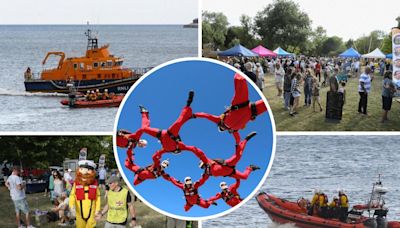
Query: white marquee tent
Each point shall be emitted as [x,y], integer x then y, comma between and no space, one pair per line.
[375,54]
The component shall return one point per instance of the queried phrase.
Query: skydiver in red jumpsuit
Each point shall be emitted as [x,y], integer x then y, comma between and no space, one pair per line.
[152,171]
[220,167]
[170,139]
[228,194]
[190,191]
[239,113]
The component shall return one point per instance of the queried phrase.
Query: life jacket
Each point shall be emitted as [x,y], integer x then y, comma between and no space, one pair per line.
[324,201]
[245,104]
[80,191]
[228,195]
[117,206]
[345,203]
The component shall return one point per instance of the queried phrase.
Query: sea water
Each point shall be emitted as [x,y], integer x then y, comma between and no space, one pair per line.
[26,45]
[303,163]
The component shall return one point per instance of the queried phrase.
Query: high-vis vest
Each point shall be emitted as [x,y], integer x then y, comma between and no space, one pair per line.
[117,206]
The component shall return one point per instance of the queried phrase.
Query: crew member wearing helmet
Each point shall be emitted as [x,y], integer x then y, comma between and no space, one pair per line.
[152,171]
[84,198]
[99,96]
[239,113]
[334,208]
[106,96]
[87,95]
[220,167]
[170,139]
[191,192]
[314,206]
[343,206]
[323,205]
[228,194]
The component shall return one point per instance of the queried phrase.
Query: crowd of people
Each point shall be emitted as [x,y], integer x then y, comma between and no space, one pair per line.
[297,76]
[94,95]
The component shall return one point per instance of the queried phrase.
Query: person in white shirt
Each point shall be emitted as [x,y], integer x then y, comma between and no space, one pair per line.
[68,181]
[62,208]
[17,187]
[279,73]
[102,178]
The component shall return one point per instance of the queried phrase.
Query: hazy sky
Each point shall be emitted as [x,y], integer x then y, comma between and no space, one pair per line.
[344,18]
[99,12]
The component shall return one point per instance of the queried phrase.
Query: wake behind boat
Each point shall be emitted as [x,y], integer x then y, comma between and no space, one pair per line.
[98,69]
[283,212]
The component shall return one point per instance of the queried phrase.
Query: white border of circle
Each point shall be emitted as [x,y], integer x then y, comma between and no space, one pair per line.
[256,189]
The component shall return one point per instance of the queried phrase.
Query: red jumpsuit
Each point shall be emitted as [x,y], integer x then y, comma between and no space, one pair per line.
[124,138]
[191,193]
[170,139]
[219,167]
[152,171]
[230,196]
[240,112]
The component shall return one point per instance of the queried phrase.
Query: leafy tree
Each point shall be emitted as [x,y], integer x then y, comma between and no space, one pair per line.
[366,44]
[283,24]
[44,151]
[349,43]
[387,44]
[214,29]
[332,46]
[243,34]
[318,36]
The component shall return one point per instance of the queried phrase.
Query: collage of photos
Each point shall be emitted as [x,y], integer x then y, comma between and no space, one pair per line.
[200,114]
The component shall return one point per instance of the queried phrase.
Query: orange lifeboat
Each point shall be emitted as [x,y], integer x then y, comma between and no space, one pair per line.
[98,69]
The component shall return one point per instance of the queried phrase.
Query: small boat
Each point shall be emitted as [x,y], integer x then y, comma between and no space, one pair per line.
[98,69]
[194,24]
[114,101]
[283,211]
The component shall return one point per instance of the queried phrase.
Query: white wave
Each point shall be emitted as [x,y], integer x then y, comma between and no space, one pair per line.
[7,92]
[276,225]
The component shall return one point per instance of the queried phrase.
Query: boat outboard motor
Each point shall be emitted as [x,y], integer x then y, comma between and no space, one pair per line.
[371,223]
[380,217]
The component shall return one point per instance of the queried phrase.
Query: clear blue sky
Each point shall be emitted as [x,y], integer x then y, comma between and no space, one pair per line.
[164,93]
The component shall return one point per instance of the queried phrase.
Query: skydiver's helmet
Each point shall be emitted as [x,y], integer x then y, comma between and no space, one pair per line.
[165,164]
[142,143]
[223,185]
[122,138]
[188,180]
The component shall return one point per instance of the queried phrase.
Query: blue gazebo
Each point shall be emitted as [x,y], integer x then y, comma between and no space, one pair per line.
[350,53]
[280,52]
[237,50]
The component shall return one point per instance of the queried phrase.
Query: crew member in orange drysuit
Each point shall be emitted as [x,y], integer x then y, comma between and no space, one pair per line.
[228,194]
[220,167]
[191,192]
[239,113]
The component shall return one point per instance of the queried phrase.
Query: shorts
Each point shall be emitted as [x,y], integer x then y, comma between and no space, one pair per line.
[296,94]
[21,205]
[102,181]
[386,103]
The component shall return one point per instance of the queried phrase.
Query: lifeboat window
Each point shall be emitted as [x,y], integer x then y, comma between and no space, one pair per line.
[75,66]
[103,64]
[81,65]
[95,65]
[109,64]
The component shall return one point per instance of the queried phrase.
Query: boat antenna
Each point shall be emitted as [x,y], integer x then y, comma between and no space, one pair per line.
[92,40]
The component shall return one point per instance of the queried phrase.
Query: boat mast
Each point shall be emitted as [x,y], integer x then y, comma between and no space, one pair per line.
[92,41]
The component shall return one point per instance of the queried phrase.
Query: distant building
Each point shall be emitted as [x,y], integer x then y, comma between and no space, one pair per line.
[194,24]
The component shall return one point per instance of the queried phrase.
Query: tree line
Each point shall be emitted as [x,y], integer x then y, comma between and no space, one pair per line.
[44,151]
[283,24]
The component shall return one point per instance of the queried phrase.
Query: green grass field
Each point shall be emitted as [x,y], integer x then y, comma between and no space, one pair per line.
[307,120]
[146,217]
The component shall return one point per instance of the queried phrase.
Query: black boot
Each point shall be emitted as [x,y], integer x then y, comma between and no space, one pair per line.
[143,109]
[190,98]
[253,167]
[251,135]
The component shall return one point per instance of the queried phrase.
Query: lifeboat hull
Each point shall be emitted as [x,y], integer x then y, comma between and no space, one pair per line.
[53,86]
[114,102]
[283,212]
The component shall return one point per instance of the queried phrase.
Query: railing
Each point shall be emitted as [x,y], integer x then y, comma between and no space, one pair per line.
[32,76]
[141,70]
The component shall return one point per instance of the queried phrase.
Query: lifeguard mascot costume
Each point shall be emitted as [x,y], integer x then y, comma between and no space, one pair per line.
[85,195]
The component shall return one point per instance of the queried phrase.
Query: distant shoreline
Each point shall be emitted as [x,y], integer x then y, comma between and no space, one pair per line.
[92,25]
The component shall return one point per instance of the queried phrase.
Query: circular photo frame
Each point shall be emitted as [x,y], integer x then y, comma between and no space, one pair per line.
[194,139]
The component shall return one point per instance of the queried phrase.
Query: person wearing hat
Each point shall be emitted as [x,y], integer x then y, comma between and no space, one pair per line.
[87,95]
[343,206]
[190,191]
[228,194]
[220,167]
[169,138]
[314,206]
[119,206]
[99,96]
[84,200]
[152,171]
[68,181]
[105,96]
[239,113]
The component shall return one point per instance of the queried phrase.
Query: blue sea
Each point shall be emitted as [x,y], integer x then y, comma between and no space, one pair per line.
[303,163]
[26,45]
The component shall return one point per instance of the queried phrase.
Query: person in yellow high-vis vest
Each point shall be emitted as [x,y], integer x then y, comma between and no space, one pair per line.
[118,207]
[84,199]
